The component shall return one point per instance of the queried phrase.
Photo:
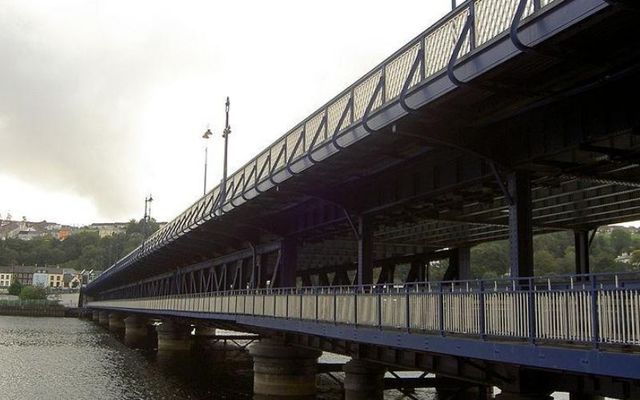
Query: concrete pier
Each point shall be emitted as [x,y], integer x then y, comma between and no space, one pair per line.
[202,337]
[136,332]
[116,324]
[95,316]
[103,318]
[582,396]
[455,389]
[173,336]
[363,380]
[283,372]
[523,396]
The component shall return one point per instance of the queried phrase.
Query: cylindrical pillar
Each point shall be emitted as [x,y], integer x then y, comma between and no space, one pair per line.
[582,396]
[136,332]
[103,318]
[523,396]
[116,324]
[202,337]
[95,316]
[283,372]
[456,389]
[363,380]
[173,336]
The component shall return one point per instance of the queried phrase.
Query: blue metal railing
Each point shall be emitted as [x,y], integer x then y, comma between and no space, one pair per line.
[592,309]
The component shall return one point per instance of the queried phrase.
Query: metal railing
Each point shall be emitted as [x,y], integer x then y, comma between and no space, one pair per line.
[595,308]
[472,25]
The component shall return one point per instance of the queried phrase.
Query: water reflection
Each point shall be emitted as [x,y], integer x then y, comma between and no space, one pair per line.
[65,358]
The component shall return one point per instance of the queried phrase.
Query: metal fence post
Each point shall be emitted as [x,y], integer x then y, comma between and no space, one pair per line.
[595,320]
[532,312]
[441,308]
[483,332]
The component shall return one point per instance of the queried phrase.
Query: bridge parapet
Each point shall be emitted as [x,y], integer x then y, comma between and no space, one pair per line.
[593,310]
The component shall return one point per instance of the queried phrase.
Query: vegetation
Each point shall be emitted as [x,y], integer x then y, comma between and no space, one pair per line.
[83,250]
[15,288]
[554,254]
[33,293]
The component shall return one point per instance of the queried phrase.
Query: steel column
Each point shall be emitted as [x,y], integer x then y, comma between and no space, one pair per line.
[581,238]
[365,251]
[288,261]
[520,225]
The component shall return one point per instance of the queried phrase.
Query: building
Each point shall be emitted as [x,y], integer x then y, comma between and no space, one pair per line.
[109,228]
[28,275]
[22,274]
[5,279]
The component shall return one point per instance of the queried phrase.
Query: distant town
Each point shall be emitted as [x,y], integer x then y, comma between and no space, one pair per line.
[27,230]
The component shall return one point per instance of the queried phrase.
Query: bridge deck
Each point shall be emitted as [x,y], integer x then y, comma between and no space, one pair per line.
[593,318]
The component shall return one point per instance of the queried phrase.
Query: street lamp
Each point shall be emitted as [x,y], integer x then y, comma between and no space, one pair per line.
[147,213]
[225,135]
[206,136]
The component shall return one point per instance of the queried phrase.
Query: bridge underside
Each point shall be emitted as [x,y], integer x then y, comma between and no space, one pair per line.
[438,178]
[547,140]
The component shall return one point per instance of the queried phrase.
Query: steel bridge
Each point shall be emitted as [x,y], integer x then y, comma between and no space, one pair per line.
[505,119]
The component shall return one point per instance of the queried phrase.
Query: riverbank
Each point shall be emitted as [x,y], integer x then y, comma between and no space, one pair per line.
[32,308]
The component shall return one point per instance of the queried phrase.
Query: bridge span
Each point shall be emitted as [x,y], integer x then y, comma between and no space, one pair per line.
[504,120]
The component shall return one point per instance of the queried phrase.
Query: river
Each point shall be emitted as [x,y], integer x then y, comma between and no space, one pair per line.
[69,358]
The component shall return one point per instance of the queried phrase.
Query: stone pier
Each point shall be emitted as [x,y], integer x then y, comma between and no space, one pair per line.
[116,324]
[202,337]
[173,336]
[103,318]
[136,332]
[363,380]
[283,372]
[455,389]
[95,316]
[523,396]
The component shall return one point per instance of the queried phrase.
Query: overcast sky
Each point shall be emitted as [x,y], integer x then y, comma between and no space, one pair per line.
[104,102]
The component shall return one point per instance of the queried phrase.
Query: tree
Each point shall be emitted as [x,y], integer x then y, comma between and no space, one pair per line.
[33,293]
[15,288]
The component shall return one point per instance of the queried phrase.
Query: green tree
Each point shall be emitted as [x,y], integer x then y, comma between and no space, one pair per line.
[15,288]
[32,293]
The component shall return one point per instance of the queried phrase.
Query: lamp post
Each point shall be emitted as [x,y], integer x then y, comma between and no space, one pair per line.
[206,137]
[147,214]
[225,135]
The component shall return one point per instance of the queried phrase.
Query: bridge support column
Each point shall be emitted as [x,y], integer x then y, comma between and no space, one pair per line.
[283,372]
[136,332]
[459,264]
[173,336]
[520,225]
[582,396]
[95,316]
[116,324]
[455,389]
[203,335]
[523,396]
[365,251]
[288,261]
[581,240]
[103,318]
[363,380]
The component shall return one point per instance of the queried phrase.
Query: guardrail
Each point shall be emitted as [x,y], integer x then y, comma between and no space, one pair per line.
[472,25]
[588,309]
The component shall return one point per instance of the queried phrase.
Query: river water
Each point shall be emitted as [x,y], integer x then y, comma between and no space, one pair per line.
[69,358]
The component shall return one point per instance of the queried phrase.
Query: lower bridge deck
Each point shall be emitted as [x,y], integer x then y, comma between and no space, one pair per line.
[586,324]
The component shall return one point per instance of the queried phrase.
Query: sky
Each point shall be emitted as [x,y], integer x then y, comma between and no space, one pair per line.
[105,102]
